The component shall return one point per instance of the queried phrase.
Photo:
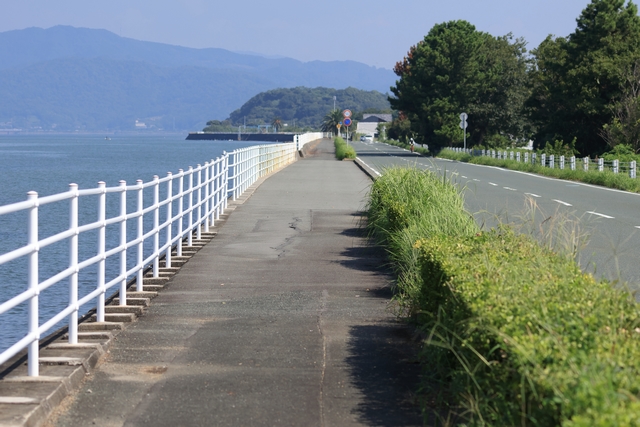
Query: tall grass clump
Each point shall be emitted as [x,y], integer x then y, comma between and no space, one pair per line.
[514,333]
[406,203]
[343,151]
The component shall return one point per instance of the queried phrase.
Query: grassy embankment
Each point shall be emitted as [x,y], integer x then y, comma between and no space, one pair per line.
[604,178]
[515,334]
[343,151]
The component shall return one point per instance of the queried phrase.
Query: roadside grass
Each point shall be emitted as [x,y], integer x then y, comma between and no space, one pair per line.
[343,151]
[512,329]
[604,178]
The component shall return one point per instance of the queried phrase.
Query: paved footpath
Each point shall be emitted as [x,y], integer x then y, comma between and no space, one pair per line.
[282,319]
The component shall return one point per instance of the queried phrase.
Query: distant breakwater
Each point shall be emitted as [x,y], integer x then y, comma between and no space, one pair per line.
[220,136]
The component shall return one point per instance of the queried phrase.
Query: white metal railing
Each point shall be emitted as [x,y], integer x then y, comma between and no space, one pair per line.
[192,201]
[302,140]
[559,162]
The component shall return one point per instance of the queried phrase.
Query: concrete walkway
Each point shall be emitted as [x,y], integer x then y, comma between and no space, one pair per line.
[282,319]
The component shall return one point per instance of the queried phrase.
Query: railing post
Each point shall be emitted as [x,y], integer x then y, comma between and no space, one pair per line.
[32,239]
[190,235]
[167,255]
[156,226]
[199,221]
[632,169]
[552,161]
[561,162]
[573,163]
[585,163]
[511,155]
[180,212]
[225,194]
[600,165]
[123,242]
[102,216]
[616,166]
[534,158]
[207,195]
[526,157]
[543,160]
[73,263]
[518,156]
[140,252]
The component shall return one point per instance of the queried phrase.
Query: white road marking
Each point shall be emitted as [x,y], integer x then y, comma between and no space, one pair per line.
[562,203]
[509,188]
[599,214]
[476,180]
[637,226]
[491,183]
[464,176]
[374,171]
[532,195]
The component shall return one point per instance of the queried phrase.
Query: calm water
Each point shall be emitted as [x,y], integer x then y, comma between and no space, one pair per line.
[47,164]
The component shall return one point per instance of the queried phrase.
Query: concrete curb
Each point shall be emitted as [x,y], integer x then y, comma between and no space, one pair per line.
[28,401]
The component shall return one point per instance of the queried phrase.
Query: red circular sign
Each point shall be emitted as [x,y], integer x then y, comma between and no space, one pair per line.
[347,122]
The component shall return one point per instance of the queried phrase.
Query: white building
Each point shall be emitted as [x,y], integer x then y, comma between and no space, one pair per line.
[370,122]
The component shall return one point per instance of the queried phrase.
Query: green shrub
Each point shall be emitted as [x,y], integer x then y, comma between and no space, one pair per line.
[343,151]
[514,332]
[408,202]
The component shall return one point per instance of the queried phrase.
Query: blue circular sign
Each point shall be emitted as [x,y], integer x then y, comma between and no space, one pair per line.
[347,122]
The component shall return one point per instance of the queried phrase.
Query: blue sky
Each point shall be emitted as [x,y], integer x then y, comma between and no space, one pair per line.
[375,32]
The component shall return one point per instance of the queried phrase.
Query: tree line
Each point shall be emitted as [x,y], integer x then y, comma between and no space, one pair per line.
[581,91]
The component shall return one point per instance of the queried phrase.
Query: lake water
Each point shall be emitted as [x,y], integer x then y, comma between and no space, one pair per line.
[47,164]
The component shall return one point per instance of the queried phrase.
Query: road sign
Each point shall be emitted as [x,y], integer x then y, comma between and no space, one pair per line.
[338,125]
[346,114]
[347,122]
[463,121]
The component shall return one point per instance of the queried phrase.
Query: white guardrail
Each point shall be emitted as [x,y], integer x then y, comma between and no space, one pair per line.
[560,162]
[131,239]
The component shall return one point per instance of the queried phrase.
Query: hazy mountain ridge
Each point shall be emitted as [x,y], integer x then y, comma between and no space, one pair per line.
[67,78]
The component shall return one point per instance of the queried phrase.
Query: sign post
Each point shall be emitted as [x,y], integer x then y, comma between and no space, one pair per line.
[463,126]
[347,121]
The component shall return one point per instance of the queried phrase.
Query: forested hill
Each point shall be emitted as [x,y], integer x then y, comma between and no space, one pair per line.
[66,78]
[301,106]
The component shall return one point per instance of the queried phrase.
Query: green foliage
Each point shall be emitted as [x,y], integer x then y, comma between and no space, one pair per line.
[331,120]
[514,332]
[400,129]
[405,203]
[577,81]
[559,148]
[305,106]
[457,68]
[622,152]
[525,337]
[343,150]
[219,126]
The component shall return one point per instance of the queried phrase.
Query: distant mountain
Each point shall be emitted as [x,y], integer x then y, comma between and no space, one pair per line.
[304,106]
[68,78]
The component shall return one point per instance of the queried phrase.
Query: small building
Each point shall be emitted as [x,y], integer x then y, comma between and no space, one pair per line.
[370,122]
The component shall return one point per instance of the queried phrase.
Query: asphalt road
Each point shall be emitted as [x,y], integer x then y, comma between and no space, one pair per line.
[609,220]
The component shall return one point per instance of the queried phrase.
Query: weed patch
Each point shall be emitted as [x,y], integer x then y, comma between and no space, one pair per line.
[513,330]
[343,151]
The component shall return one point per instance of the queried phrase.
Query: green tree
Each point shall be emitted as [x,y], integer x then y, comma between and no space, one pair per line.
[331,120]
[456,68]
[577,98]
[277,124]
